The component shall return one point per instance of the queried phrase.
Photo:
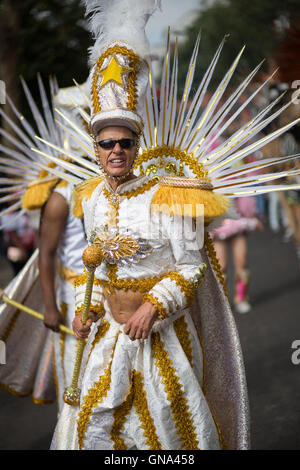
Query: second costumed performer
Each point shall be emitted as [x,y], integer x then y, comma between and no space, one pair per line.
[162,368]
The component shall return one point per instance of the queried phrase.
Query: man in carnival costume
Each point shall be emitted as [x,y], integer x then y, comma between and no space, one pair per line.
[35,357]
[162,367]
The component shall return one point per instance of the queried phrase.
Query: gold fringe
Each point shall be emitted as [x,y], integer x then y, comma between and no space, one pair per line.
[84,190]
[39,191]
[184,201]
[36,196]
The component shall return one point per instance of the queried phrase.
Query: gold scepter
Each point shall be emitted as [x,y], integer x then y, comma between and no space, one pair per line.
[92,257]
[31,312]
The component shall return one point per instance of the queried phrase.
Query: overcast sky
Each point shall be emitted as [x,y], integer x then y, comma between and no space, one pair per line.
[173,11]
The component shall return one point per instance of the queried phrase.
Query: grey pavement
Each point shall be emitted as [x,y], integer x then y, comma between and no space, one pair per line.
[266,334]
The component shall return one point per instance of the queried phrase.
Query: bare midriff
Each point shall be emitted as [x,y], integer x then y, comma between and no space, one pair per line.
[123,304]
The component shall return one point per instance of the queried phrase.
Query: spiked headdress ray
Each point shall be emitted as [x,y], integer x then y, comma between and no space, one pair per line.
[28,183]
[177,142]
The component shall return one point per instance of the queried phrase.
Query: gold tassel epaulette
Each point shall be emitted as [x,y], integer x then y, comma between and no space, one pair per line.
[182,196]
[39,190]
[84,191]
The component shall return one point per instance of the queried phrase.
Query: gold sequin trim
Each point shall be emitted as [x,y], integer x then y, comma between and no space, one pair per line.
[214,261]
[136,397]
[95,396]
[183,335]
[134,62]
[175,395]
[178,154]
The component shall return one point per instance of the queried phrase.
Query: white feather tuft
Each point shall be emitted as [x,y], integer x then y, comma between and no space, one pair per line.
[119,20]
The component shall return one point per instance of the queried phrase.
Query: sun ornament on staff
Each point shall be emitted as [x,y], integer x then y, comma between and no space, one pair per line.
[92,257]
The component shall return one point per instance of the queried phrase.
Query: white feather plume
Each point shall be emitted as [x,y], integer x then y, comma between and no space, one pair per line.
[119,20]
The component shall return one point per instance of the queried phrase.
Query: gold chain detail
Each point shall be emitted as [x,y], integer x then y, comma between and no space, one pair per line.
[132,87]
[175,395]
[183,335]
[133,192]
[178,154]
[215,262]
[95,396]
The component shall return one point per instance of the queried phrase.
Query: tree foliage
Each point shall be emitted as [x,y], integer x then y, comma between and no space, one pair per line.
[259,24]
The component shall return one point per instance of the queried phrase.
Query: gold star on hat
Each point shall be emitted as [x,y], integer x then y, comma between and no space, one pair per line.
[113,73]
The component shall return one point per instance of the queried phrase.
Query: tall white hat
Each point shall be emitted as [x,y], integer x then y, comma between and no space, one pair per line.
[119,75]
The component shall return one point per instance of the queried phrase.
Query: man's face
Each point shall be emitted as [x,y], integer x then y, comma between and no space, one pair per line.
[116,161]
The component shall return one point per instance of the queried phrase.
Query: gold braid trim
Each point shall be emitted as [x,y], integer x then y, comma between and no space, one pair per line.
[214,261]
[140,403]
[187,287]
[81,280]
[183,335]
[16,315]
[119,416]
[136,397]
[10,326]
[162,312]
[175,394]
[99,309]
[132,87]
[101,332]
[145,284]
[95,395]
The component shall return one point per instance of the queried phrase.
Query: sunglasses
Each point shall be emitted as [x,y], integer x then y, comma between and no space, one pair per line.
[109,144]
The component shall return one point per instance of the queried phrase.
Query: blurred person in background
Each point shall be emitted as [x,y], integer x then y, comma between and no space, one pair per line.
[19,240]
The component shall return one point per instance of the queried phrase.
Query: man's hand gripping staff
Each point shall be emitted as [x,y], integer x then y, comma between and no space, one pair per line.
[92,258]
